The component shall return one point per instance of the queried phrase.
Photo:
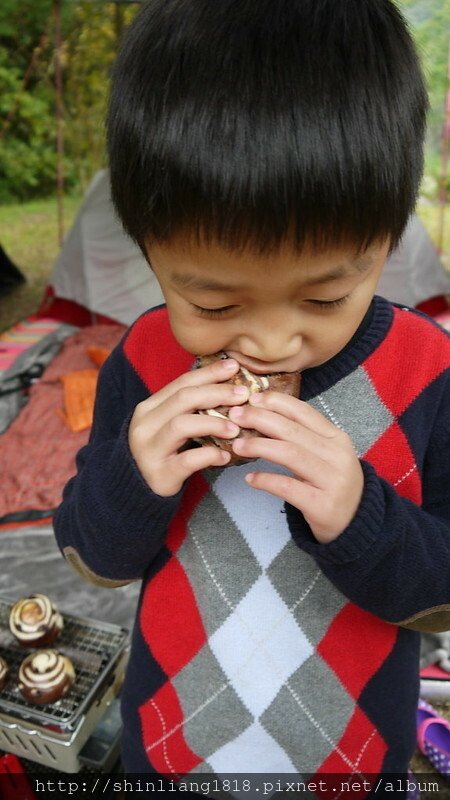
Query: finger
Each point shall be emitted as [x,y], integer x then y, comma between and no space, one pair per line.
[276,426]
[218,371]
[301,495]
[209,396]
[189,399]
[180,429]
[304,464]
[326,514]
[184,464]
[296,410]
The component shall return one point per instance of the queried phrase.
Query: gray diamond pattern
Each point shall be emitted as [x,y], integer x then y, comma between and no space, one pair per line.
[354,405]
[309,723]
[304,588]
[212,710]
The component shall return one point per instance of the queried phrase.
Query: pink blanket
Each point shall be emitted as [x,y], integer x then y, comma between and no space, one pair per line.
[38,450]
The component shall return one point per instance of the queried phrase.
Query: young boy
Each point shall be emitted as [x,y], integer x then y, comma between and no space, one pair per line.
[266,157]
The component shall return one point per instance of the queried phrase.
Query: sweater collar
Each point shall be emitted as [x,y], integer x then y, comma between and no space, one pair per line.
[371,331]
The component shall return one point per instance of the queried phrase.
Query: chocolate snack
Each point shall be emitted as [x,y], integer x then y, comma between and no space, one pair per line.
[35,621]
[4,669]
[45,676]
[287,382]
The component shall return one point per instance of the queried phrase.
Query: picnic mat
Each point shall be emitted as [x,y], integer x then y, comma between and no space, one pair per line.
[21,336]
[39,447]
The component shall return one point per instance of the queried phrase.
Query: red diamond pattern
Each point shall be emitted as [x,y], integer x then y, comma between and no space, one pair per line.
[385,455]
[393,358]
[198,488]
[366,761]
[160,715]
[343,639]
[164,359]
[170,595]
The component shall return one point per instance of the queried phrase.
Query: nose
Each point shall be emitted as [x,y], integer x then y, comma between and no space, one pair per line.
[274,338]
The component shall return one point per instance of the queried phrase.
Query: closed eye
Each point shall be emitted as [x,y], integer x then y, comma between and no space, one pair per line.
[330,303]
[211,313]
[215,313]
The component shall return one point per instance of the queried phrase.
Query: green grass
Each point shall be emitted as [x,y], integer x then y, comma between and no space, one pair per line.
[30,229]
[29,234]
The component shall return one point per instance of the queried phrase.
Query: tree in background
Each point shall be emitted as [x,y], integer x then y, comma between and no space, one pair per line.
[91,47]
[27,110]
[429,24]
[27,142]
[91,32]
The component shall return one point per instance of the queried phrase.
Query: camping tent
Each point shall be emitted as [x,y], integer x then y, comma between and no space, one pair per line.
[99,268]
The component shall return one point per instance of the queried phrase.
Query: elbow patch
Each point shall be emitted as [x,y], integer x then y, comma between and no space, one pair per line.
[73,558]
[433,620]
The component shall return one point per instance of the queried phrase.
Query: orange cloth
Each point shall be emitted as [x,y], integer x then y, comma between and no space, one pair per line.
[79,392]
[97,354]
[79,395]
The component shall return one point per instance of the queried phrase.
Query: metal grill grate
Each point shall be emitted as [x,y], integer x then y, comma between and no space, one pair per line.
[93,648]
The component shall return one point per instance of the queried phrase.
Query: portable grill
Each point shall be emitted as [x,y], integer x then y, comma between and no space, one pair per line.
[54,734]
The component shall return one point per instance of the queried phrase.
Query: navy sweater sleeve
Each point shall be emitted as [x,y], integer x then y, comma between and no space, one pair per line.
[393,559]
[110,525]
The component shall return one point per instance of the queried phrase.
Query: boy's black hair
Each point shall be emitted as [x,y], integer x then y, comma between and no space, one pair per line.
[249,122]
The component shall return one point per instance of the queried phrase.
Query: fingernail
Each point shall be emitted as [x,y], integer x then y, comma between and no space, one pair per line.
[235,412]
[229,364]
[240,390]
[255,398]
[233,429]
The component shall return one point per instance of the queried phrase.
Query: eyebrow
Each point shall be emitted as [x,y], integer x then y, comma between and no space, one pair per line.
[187,280]
[361,264]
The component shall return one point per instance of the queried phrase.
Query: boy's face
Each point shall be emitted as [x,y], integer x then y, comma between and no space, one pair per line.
[282,313]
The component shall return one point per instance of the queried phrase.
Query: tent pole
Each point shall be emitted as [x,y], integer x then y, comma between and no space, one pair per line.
[59,120]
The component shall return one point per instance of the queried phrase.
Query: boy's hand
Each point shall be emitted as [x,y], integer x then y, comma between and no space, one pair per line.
[327,479]
[162,424]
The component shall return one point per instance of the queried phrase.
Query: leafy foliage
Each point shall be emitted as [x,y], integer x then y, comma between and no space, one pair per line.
[91,34]
[27,153]
[91,50]
[429,22]
[27,112]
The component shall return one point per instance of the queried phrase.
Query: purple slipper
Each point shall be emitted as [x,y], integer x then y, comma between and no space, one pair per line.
[424,712]
[433,737]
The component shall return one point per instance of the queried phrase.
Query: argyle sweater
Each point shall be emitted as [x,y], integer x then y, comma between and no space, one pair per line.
[256,649]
